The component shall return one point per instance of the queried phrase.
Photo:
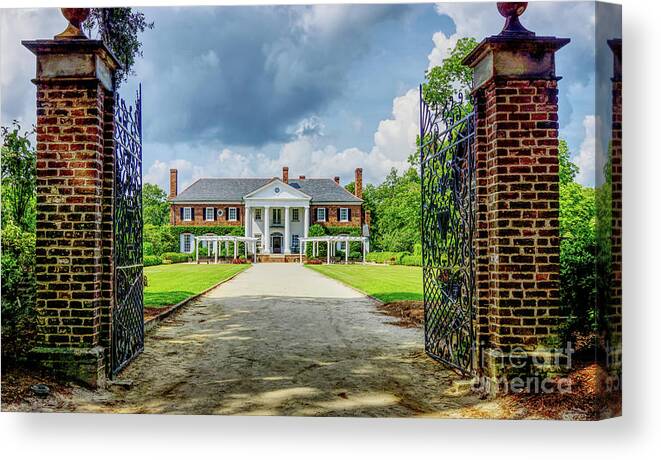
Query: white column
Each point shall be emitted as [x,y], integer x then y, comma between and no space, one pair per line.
[306,225]
[197,251]
[364,247]
[328,250]
[215,251]
[236,253]
[346,252]
[254,251]
[248,222]
[266,238]
[287,230]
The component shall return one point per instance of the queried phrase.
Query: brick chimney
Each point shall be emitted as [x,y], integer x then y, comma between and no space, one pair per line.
[285,174]
[337,180]
[359,183]
[173,184]
[301,177]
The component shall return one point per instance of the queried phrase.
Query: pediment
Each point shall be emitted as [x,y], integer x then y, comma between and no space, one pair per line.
[277,190]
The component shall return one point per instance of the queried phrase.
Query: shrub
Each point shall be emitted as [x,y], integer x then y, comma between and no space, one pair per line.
[18,291]
[162,239]
[313,262]
[175,257]
[239,260]
[356,255]
[316,230]
[393,258]
[147,248]
[412,260]
[149,261]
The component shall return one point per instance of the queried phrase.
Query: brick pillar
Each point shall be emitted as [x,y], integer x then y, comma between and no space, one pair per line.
[517,241]
[285,174]
[337,180]
[615,309]
[75,176]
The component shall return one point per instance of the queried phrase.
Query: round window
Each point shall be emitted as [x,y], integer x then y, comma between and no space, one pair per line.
[277,190]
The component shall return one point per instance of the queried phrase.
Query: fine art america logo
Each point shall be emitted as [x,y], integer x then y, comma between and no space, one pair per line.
[542,370]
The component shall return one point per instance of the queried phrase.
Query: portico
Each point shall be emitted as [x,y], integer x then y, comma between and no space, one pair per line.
[279,216]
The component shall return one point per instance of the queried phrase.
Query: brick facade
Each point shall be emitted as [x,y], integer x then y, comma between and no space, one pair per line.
[199,215]
[333,213]
[75,177]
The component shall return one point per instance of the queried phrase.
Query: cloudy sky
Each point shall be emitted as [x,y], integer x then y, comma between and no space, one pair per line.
[243,91]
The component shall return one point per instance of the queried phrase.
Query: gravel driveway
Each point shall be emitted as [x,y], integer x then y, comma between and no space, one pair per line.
[280,339]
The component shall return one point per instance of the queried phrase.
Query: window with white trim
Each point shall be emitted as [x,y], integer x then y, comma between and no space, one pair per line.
[209,214]
[187,242]
[321,214]
[231,214]
[344,214]
[276,216]
[188,213]
[258,214]
[295,215]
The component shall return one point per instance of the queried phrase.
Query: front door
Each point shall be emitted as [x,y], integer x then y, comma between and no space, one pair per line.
[276,244]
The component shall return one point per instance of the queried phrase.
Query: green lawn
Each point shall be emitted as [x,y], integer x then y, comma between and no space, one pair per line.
[387,283]
[170,284]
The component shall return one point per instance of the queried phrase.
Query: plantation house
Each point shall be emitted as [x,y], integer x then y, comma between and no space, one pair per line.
[277,211]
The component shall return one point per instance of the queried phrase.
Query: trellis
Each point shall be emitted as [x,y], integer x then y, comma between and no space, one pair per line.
[213,245]
[331,245]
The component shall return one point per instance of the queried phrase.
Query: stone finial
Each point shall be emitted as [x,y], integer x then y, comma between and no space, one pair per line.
[511,12]
[76,17]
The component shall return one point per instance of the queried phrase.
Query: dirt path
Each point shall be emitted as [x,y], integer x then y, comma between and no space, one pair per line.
[281,339]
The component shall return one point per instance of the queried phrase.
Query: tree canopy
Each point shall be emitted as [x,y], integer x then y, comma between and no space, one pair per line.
[155,207]
[19,177]
[119,28]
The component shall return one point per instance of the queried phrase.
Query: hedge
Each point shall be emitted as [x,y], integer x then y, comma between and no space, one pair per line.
[386,257]
[175,257]
[148,260]
[395,258]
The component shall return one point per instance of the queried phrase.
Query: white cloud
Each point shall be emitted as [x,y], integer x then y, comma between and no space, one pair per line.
[585,159]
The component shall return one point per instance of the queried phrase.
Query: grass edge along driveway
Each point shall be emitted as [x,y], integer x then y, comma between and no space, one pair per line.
[170,284]
[388,283]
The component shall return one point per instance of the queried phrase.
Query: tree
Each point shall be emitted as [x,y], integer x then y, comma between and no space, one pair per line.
[155,208]
[451,77]
[578,247]
[19,182]
[443,85]
[395,207]
[119,29]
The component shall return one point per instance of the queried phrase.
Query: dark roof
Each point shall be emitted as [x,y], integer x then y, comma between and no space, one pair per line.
[233,190]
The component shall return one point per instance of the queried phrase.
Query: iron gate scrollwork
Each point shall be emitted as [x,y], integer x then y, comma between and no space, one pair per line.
[447,162]
[128,309]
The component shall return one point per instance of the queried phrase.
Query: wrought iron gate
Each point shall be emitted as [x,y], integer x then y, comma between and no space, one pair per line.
[127,317]
[447,161]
